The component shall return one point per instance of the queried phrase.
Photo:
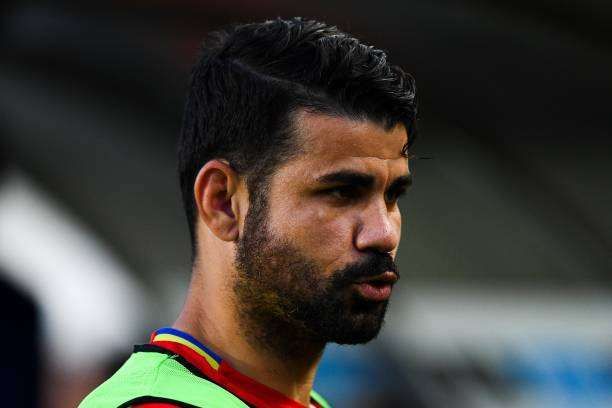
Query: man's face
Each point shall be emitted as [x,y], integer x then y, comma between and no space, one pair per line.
[316,253]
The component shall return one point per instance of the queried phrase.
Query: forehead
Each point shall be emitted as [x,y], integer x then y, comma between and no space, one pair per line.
[330,141]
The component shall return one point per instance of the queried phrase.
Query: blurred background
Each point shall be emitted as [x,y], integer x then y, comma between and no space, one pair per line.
[505,299]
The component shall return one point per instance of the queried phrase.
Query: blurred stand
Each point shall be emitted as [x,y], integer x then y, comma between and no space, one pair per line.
[87,304]
[506,252]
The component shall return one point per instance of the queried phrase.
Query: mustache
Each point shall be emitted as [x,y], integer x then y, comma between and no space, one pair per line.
[374,264]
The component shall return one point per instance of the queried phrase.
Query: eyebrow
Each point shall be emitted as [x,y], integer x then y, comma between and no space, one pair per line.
[400,182]
[362,180]
[347,177]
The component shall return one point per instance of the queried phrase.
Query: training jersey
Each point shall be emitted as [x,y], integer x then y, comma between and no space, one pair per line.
[213,368]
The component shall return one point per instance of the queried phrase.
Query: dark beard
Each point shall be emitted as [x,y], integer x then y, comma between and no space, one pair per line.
[285,302]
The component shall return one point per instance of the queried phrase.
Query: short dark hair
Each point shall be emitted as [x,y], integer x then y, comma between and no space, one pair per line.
[250,78]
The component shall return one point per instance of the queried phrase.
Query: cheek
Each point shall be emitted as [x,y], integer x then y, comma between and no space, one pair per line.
[397,223]
[322,234]
[396,219]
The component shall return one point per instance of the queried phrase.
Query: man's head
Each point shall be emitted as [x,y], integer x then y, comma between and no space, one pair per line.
[292,155]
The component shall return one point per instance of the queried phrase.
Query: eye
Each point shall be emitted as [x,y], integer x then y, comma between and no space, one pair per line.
[395,195]
[343,193]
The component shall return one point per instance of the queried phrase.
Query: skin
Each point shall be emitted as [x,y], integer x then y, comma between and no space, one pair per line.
[325,223]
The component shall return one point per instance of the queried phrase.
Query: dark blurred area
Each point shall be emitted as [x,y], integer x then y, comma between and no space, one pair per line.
[507,246]
[19,373]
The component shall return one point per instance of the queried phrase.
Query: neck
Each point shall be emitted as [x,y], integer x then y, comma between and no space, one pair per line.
[209,316]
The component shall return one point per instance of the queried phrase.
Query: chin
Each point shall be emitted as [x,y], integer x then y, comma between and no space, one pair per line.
[359,326]
[358,336]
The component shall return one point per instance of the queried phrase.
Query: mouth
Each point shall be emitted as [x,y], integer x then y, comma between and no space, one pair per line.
[377,288]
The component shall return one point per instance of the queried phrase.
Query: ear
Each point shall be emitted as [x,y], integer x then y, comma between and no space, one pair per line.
[214,191]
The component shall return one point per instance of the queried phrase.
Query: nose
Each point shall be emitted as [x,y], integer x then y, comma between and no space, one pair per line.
[377,231]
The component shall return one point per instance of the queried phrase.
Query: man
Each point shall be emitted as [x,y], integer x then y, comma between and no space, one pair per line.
[292,157]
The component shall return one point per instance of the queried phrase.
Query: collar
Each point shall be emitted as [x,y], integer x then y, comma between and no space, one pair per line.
[222,373]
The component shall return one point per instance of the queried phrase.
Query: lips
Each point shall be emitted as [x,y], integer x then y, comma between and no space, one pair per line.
[386,278]
[377,288]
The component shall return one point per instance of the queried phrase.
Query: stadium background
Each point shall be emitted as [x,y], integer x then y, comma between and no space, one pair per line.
[505,299]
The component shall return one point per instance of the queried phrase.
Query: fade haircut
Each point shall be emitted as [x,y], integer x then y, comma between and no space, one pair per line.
[249,81]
